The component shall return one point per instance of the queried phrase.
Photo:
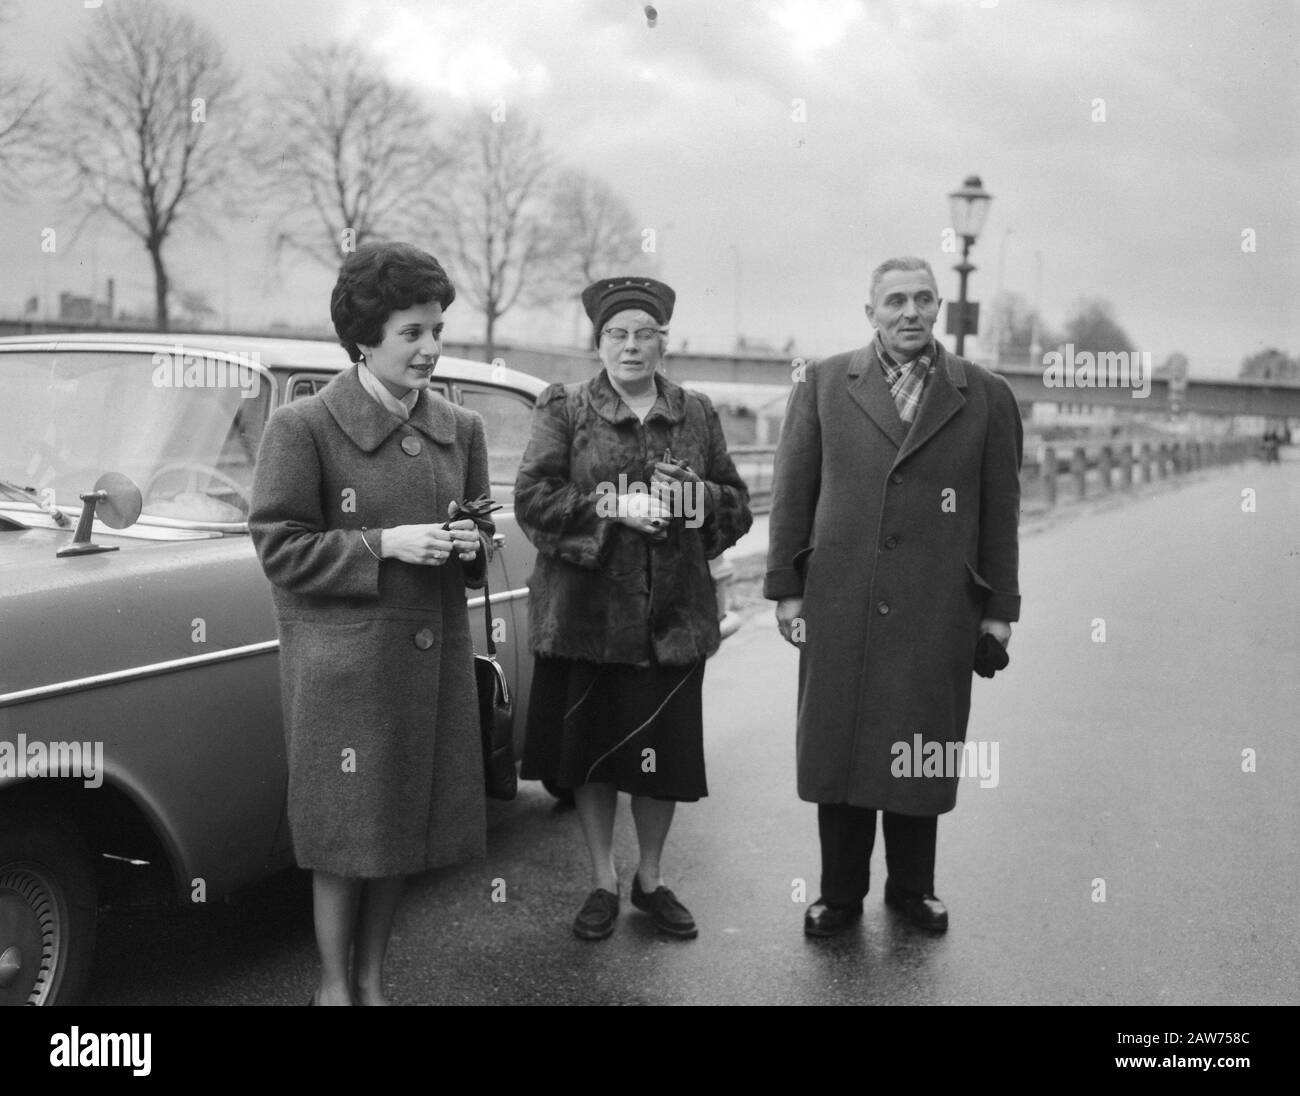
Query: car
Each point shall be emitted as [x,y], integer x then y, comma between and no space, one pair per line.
[138,655]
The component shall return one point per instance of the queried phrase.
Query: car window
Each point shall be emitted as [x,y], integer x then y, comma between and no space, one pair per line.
[301,387]
[183,427]
[507,421]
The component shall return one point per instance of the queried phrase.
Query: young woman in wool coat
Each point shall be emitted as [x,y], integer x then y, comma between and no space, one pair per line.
[351,496]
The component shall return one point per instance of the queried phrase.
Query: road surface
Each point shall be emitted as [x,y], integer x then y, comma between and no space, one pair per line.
[1121,775]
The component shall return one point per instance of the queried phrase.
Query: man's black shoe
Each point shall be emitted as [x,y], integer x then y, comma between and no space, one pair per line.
[823,919]
[923,910]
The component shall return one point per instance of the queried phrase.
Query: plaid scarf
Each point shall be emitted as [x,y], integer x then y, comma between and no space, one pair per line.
[906,382]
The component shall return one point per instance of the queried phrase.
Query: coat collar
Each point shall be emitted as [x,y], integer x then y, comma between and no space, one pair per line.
[368,424]
[609,405]
[943,397]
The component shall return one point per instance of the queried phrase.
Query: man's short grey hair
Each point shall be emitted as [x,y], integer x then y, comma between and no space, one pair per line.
[905,262]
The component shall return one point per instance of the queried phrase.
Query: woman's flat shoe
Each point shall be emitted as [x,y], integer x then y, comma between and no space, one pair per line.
[595,920]
[669,915]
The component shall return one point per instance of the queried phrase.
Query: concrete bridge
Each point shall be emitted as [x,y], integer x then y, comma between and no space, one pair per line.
[1028,381]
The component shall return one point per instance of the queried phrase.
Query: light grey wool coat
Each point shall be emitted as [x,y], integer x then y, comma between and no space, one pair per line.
[376,659]
[899,541]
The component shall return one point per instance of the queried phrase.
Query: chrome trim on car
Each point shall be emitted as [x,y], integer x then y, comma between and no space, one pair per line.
[78,684]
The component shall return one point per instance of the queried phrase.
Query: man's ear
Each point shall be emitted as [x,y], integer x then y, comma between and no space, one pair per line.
[871,314]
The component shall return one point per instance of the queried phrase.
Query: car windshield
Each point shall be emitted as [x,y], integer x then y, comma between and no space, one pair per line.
[184,427]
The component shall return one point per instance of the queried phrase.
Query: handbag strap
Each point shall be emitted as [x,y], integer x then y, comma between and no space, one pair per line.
[480,511]
[487,614]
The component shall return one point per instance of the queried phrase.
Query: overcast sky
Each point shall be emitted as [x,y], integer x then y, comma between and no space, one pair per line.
[692,122]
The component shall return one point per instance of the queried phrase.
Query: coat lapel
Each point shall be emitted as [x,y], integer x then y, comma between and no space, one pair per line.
[671,404]
[942,400]
[368,424]
[434,417]
[608,404]
[868,387]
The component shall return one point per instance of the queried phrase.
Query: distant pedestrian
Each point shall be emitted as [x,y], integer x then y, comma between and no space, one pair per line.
[893,550]
[627,491]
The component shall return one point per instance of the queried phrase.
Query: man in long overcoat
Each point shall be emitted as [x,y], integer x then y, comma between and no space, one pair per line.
[893,549]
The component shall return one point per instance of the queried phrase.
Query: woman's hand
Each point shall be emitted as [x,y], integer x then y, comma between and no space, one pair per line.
[431,545]
[670,472]
[644,513]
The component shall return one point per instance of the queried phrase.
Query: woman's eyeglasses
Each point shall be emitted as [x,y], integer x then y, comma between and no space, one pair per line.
[642,335]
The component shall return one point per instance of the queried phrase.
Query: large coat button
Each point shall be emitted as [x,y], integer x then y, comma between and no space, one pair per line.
[411,446]
[882,607]
[896,477]
[424,638]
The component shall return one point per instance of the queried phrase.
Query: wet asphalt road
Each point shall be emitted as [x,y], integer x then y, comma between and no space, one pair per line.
[1118,761]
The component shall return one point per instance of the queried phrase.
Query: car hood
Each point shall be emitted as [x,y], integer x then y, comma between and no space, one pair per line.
[150,601]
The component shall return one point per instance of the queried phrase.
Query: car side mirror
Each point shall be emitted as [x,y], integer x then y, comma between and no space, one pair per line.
[118,501]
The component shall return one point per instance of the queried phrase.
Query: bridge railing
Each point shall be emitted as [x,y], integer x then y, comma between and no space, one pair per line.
[754,463]
[1099,469]
[1058,472]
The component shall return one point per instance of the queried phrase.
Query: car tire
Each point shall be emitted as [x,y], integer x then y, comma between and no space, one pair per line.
[47,909]
[564,795]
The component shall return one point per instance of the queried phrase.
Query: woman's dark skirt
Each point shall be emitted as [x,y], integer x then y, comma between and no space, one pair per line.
[594,723]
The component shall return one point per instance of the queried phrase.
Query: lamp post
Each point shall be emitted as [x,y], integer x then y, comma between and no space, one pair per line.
[969,206]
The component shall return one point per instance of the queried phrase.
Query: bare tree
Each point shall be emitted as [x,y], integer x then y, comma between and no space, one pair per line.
[494,225]
[142,129]
[1011,324]
[1093,327]
[595,234]
[350,156]
[1270,365]
[22,101]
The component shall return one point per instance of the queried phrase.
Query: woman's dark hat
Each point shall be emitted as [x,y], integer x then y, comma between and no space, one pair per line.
[604,298]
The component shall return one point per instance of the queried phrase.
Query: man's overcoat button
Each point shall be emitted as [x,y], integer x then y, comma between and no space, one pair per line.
[424,638]
[882,607]
[896,477]
[411,446]
[891,542]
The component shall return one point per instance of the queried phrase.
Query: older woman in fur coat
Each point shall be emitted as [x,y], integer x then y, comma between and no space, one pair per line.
[627,491]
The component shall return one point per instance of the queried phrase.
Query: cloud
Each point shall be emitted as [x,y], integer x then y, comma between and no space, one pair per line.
[695,123]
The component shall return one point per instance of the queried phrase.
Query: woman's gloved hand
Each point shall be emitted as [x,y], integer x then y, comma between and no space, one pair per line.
[471,526]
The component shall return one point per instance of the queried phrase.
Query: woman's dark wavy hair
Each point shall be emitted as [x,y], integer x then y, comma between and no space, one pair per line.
[377,280]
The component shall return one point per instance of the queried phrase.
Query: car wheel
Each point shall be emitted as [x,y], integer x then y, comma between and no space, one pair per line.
[564,795]
[47,910]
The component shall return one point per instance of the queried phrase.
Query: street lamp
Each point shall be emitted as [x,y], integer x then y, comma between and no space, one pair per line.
[969,206]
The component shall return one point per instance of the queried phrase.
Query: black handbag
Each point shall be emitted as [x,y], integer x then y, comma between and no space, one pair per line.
[496,711]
